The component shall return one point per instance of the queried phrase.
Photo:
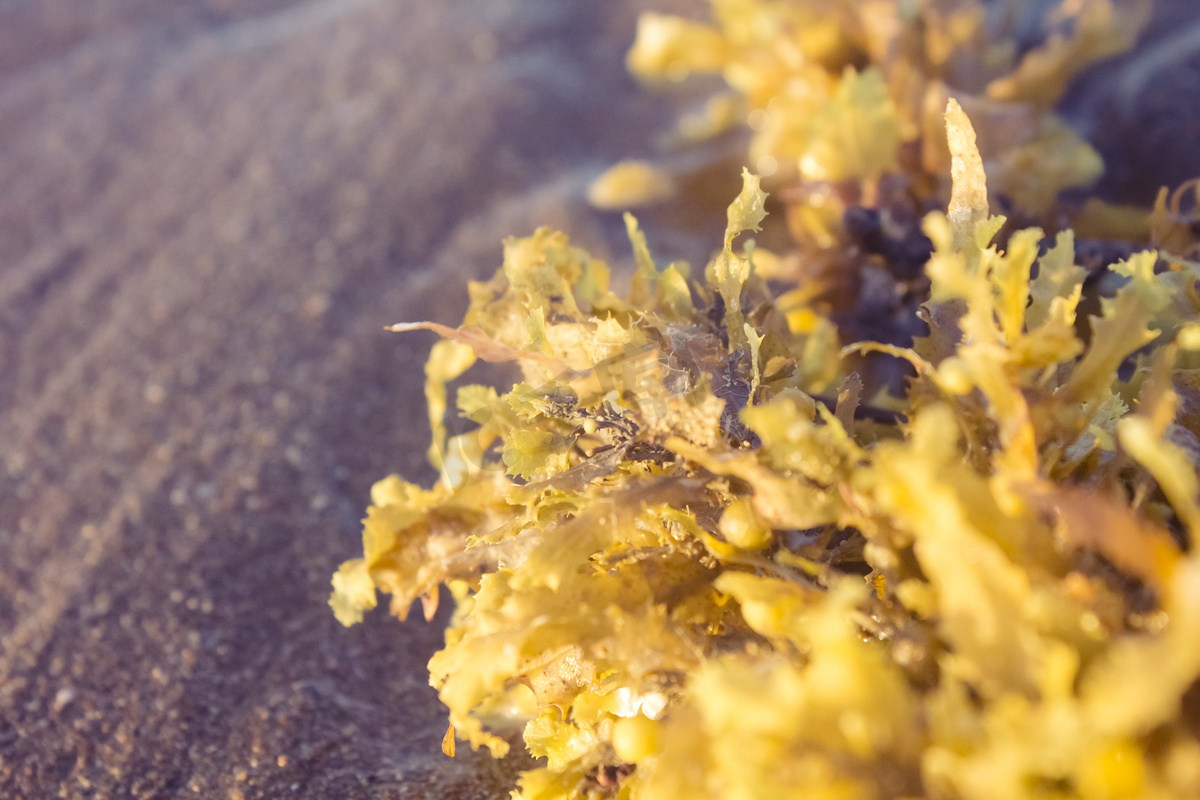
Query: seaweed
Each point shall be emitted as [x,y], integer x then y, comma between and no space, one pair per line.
[693,556]
[843,94]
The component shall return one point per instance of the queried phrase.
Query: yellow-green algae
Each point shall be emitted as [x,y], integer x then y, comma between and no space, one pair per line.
[657,539]
[843,100]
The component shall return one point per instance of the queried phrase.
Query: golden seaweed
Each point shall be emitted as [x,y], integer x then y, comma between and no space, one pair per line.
[692,560]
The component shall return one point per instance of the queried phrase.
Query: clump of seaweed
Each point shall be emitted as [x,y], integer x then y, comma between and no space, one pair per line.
[692,559]
[844,99]
[843,102]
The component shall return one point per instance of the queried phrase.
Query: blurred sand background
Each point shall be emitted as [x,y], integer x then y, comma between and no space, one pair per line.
[208,211]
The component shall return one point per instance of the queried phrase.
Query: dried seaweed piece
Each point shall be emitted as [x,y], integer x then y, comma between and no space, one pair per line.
[968,200]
